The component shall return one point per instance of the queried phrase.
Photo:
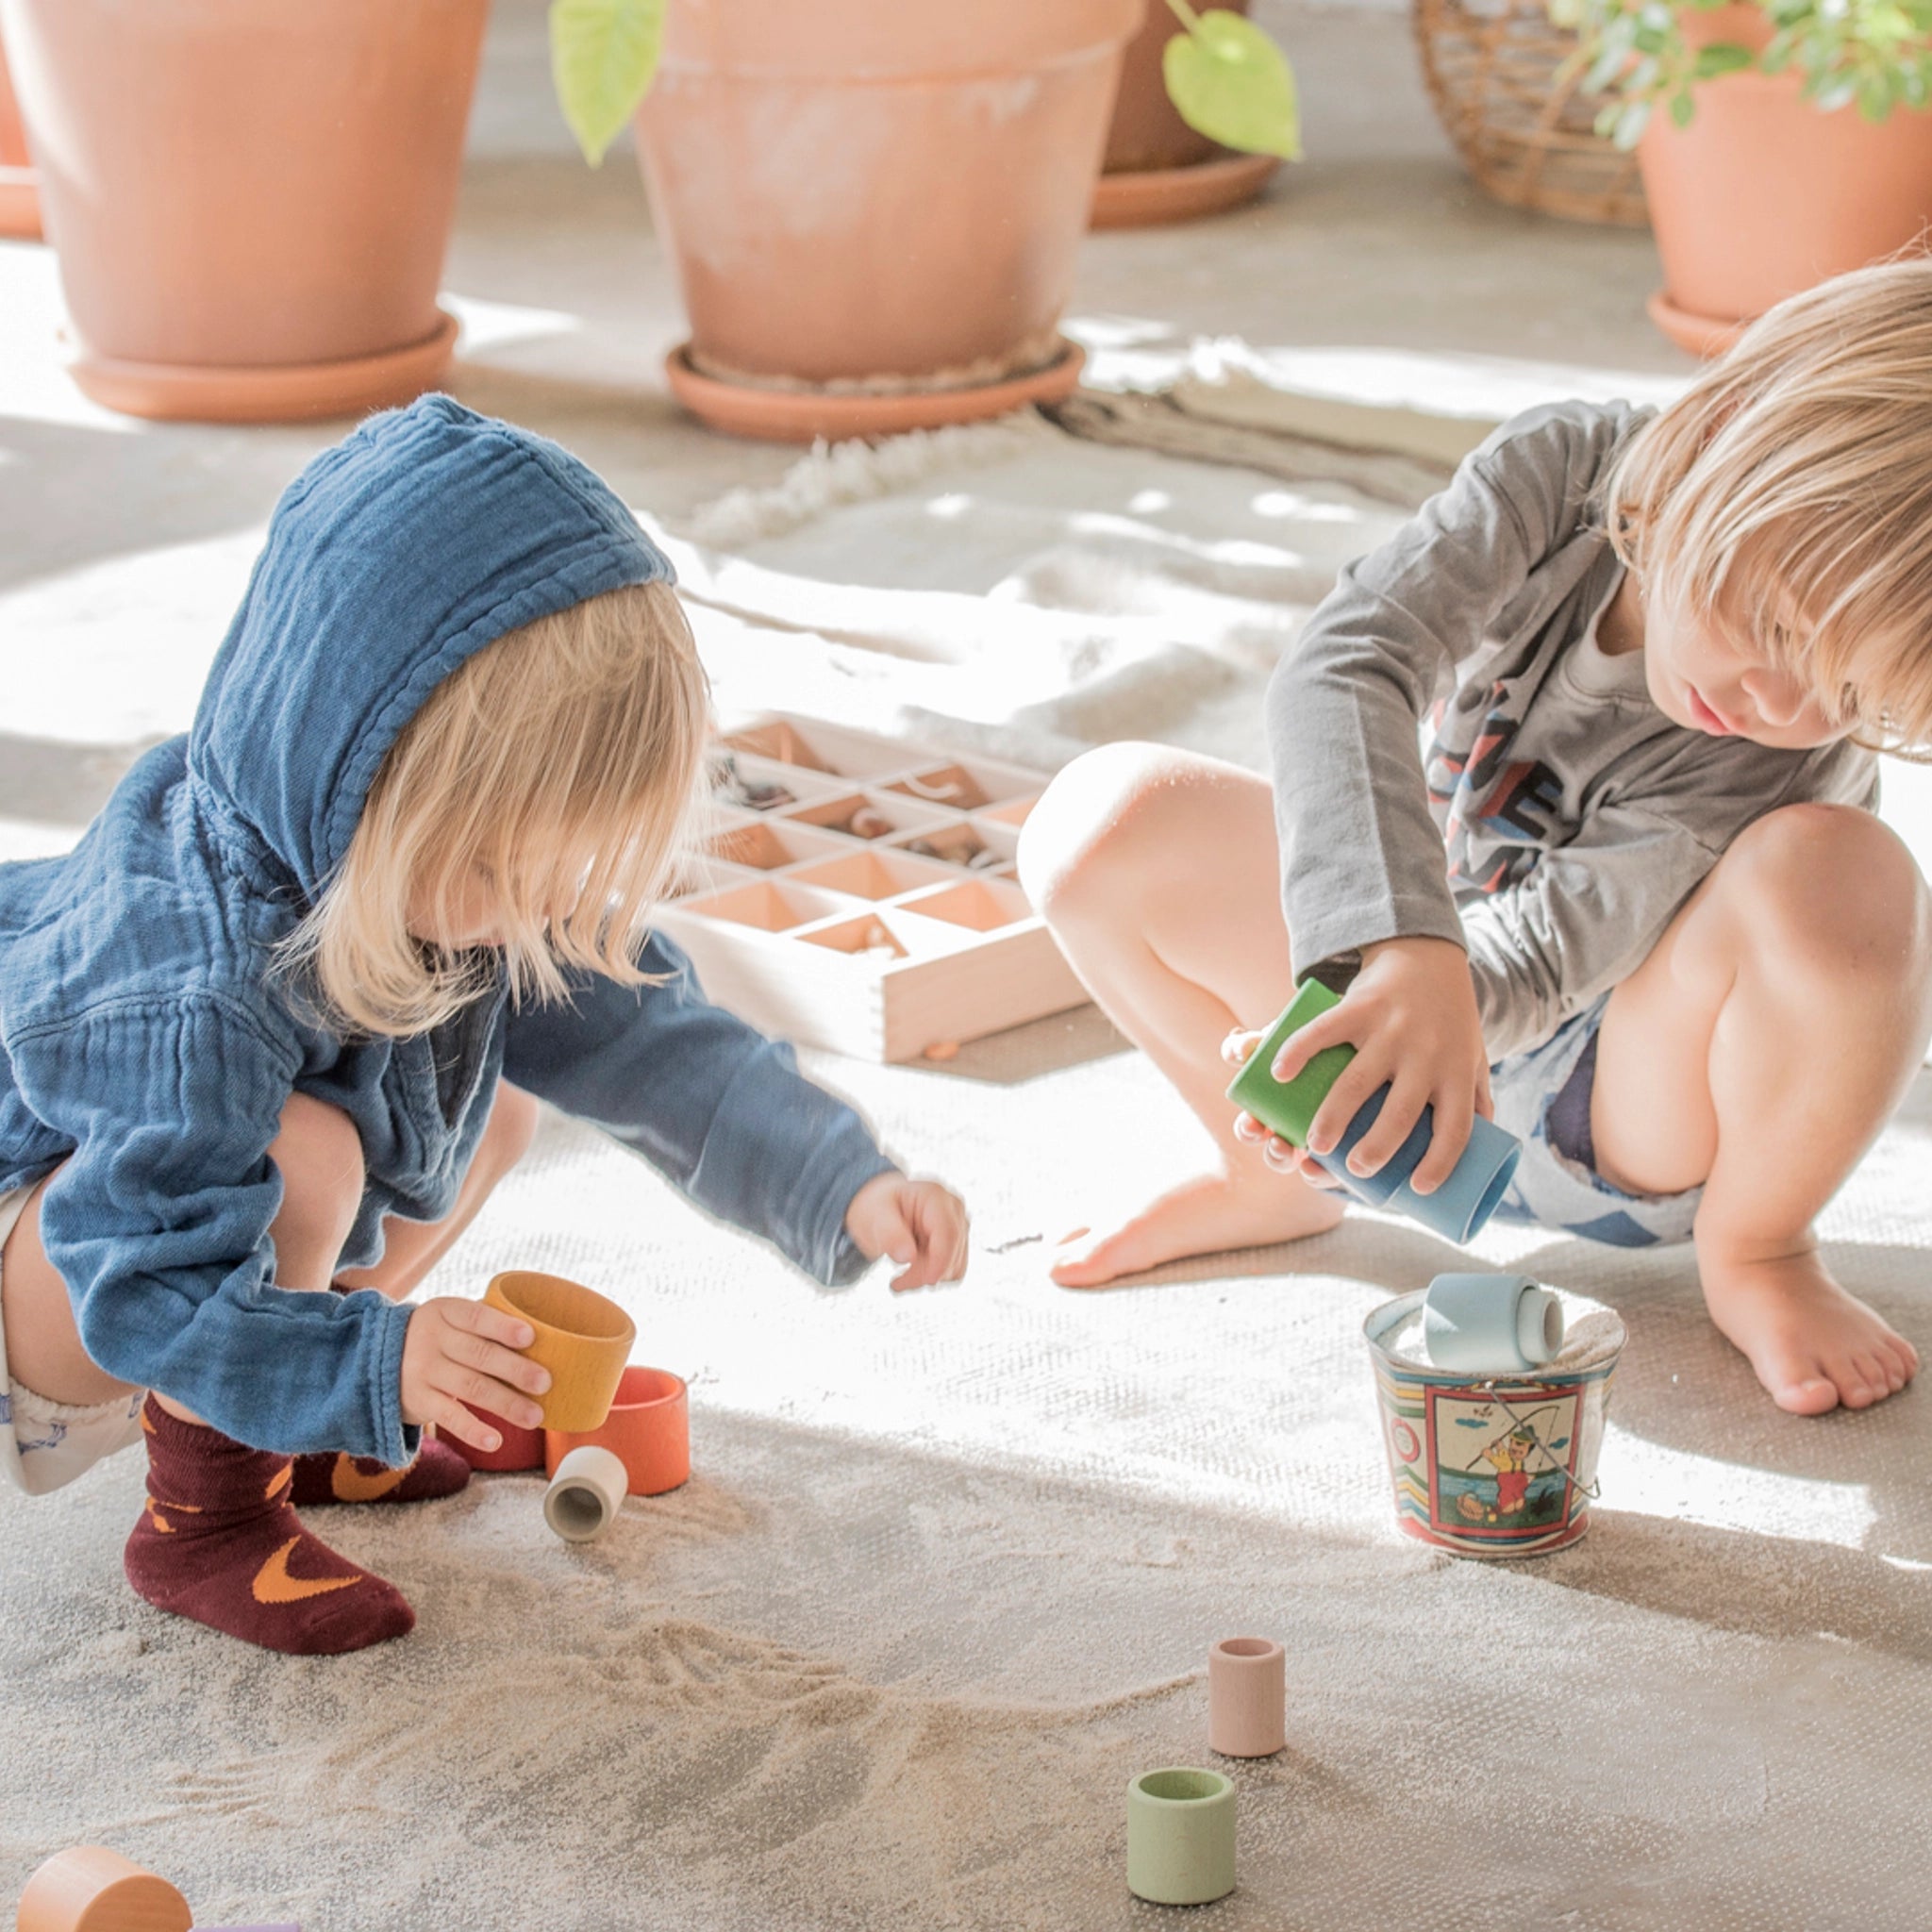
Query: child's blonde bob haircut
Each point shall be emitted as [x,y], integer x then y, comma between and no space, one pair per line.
[557,771]
[1786,498]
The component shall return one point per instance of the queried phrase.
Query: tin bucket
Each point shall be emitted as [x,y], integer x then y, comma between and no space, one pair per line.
[1493,1465]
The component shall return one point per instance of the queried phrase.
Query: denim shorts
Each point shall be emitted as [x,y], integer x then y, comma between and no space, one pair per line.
[44,1445]
[1543,1097]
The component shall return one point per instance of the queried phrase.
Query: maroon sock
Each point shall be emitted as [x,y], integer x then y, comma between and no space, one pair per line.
[219,1542]
[438,1471]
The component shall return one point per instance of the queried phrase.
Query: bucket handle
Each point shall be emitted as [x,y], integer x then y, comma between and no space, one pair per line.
[1590,1492]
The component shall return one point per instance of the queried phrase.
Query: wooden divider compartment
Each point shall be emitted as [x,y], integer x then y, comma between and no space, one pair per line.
[850,940]
[967,784]
[893,812]
[761,844]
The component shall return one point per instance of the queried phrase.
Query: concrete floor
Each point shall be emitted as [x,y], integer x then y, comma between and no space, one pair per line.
[126,543]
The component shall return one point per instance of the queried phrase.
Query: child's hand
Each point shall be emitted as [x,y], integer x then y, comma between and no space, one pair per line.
[1284,1157]
[456,1352]
[1411,1017]
[921,1224]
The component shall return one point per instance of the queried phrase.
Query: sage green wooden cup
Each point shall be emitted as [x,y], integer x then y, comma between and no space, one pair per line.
[1180,1837]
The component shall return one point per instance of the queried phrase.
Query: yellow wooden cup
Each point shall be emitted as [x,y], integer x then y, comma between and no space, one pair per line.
[582,1338]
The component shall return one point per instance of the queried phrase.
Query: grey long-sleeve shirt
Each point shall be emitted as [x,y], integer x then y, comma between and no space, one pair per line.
[1553,819]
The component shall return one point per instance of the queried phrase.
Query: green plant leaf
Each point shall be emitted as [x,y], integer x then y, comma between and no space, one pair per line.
[1229,81]
[1627,122]
[603,54]
[1721,57]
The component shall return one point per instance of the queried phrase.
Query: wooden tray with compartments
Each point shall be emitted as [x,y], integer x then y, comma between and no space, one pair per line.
[860,893]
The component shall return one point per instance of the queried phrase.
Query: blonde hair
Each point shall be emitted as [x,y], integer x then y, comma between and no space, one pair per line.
[1786,498]
[561,762]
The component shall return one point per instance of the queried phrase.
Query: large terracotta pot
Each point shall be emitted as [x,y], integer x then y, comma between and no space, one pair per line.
[1763,195]
[1158,168]
[250,199]
[886,197]
[20,201]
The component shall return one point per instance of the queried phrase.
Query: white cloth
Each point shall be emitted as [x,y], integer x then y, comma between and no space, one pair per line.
[44,1445]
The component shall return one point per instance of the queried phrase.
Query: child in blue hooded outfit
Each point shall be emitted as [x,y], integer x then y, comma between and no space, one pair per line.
[273,1028]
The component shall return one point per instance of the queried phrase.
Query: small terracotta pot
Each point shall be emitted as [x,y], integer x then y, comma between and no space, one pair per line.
[648,1429]
[20,199]
[1146,130]
[521,1448]
[250,205]
[1762,195]
[583,1339]
[887,198]
[1246,1697]
[1157,168]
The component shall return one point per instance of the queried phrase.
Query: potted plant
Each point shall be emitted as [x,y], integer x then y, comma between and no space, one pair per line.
[20,201]
[1158,166]
[1794,145]
[250,204]
[874,209]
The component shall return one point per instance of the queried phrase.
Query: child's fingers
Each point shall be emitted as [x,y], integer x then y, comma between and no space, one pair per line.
[485,1319]
[485,1392]
[1246,1128]
[451,1419]
[1239,1047]
[1358,1085]
[1455,1110]
[1394,1126]
[472,1349]
[1331,1028]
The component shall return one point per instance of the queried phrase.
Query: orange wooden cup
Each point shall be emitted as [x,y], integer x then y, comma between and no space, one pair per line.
[91,1889]
[648,1430]
[582,1338]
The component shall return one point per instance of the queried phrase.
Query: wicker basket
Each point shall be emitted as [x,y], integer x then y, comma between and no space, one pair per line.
[1525,137]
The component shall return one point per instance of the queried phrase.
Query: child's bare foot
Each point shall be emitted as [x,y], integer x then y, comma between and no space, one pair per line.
[1814,1345]
[1202,1216]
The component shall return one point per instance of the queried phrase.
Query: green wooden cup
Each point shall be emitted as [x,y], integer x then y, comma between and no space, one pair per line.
[1180,1837]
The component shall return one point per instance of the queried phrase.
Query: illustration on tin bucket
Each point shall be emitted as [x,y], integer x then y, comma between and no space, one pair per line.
[1499,1464]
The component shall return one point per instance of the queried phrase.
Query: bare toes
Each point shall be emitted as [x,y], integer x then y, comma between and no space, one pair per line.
[1811,1395]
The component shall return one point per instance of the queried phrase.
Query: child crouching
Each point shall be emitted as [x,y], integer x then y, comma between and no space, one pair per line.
[273,1031]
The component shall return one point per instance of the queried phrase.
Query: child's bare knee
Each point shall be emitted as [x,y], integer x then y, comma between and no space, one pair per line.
[1832,889]
[319,1155]
[1092,821]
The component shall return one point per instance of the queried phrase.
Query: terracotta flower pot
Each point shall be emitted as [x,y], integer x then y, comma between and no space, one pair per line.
[869,202]
[1763,195]
[20,200]
[1157,168]
[250,204]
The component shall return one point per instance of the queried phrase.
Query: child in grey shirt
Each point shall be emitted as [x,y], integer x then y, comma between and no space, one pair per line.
[1571,792]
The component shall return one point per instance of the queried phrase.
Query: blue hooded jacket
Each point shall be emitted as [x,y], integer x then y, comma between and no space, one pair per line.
[143,1041]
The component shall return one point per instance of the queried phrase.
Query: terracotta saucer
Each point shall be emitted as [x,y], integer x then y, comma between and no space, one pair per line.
[1698,335]
[805,415]
[193,393]
[20,205]
[1137,198]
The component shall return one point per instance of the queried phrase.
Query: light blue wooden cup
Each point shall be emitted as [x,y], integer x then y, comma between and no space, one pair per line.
[1491,1323]
[1180,1837]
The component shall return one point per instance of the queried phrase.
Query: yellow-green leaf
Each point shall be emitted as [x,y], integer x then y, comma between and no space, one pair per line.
[603,54]
[1229,81]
